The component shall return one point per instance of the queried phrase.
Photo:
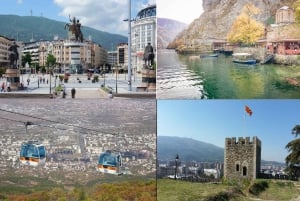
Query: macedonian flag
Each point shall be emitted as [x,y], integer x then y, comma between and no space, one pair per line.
[248,110]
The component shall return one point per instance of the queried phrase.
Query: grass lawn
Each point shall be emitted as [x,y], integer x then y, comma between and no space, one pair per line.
[276,190]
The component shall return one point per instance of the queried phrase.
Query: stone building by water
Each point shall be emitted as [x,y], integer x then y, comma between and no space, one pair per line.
[242,158]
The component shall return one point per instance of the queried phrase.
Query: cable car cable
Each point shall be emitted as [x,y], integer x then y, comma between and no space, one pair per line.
[56,122]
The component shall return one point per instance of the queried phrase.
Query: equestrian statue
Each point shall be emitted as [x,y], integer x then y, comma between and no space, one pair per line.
[149,55]
[14,55]
[75,28]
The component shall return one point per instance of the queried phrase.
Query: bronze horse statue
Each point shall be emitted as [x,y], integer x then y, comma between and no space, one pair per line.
[149,55]
[75,29]
[14,55]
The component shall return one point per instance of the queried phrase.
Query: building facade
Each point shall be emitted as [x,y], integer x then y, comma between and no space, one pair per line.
[5,44]
[285,15]
[143,32]
[70,56]
[242,158]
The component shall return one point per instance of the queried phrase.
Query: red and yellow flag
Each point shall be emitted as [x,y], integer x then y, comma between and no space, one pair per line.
[248,110]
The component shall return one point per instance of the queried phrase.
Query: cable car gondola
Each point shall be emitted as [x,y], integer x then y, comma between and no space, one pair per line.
[32,153]
[110,162]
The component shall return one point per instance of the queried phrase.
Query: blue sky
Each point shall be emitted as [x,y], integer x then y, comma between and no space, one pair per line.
[213,120]
[103,15]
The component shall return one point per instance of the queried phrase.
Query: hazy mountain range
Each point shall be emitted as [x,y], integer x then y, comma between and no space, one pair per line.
[193,150]
[188,149]
[24,28]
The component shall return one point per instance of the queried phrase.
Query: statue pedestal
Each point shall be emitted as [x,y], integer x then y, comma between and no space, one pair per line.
[13,76]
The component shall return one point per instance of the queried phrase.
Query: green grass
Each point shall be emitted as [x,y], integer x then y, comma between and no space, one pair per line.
[187,191]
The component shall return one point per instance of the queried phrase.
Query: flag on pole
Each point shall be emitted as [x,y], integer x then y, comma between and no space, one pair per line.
[248,110]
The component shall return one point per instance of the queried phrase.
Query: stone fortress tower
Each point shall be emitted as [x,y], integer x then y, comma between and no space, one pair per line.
[242,158]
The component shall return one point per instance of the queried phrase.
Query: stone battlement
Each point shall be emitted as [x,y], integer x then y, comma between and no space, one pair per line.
[242,141]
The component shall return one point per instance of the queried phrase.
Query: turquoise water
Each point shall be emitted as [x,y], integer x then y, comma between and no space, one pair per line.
[187,77]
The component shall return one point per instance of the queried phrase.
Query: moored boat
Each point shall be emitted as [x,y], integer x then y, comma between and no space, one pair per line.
[243,58]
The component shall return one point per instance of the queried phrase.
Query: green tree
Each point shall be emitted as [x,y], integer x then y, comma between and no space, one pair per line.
[51,60]
[245,28]
[293,158]
[297,10]
[26,59]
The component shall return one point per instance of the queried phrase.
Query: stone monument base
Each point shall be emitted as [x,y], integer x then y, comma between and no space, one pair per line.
[13,77]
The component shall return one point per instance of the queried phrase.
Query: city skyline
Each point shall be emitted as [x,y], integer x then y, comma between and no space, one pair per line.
[182,11]
[107,16]
[213,121]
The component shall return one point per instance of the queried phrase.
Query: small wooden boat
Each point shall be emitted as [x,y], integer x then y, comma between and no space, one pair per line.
[213,55]
[243,58]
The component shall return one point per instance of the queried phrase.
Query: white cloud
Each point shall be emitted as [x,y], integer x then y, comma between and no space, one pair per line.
[102,15]
[181,10]
[19,1]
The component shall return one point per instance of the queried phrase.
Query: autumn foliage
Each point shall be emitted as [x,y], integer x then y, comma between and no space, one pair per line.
[124,191]
[245,29]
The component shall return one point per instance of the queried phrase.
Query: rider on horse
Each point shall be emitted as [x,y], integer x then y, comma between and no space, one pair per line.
[149,55]
[14,55]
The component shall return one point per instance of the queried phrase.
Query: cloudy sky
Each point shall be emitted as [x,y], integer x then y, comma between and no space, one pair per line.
[181,10]
[103,15]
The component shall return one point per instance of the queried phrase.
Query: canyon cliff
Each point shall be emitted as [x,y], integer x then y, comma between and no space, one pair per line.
[218,17]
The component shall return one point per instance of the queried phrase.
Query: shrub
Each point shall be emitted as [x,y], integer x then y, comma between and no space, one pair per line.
[258,187]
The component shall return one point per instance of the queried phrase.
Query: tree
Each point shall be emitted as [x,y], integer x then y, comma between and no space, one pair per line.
[293,158]
[26,59]
[245,29]
[51,60]
[297,10]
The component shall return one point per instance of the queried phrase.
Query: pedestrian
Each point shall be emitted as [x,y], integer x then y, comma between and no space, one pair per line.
[47,81]
[28,81]
[8,86]
[73,91]
[2,87]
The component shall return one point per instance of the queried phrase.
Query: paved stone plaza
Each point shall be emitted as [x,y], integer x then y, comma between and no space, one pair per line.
[85,89]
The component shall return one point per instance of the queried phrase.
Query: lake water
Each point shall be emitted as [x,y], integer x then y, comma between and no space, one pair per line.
[188,77]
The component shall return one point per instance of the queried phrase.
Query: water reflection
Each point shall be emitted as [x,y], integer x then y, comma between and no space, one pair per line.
[180,77]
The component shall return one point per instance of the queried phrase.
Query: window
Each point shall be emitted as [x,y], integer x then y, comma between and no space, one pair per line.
[244,171]
[237,167]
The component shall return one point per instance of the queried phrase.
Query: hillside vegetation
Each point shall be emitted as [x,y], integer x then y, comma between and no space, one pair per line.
[274,190]
[41,28]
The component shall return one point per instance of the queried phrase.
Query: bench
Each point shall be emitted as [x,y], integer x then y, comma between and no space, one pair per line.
[141,89]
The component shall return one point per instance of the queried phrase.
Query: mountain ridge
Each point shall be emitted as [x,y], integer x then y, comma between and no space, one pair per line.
[188,149]
[23,27]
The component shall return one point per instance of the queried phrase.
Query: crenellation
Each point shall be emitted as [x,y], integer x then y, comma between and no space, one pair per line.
[242,157]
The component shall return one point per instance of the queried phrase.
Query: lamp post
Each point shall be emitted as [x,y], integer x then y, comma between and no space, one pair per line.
[176,166]
[117,69]
[129,45]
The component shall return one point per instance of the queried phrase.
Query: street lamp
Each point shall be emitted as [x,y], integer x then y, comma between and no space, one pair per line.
[116,70]
[176,165]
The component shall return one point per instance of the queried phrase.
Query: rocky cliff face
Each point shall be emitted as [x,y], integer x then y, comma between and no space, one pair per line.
[219,15]
[167,31]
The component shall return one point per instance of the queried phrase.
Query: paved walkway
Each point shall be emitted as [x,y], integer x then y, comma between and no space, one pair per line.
[84,89]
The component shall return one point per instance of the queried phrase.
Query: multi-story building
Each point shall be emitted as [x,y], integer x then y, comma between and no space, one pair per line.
[4,53]
[143,32]
[122,56]
[5,44]
[70,56]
